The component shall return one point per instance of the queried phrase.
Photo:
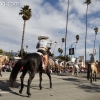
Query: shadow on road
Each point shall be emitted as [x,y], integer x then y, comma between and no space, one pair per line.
[84,84]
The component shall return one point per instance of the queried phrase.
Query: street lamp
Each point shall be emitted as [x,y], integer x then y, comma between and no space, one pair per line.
[71,49]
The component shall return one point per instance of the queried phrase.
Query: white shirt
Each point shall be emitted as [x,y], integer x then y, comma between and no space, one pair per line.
[42,43]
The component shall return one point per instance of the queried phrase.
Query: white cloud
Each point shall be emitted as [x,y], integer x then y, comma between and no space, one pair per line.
[49,20]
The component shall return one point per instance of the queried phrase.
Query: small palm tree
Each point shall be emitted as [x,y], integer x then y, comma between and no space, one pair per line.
[63,40]
[77,39]
[60,51]
[26,48]
[87,2]
[26,15]
[96,30]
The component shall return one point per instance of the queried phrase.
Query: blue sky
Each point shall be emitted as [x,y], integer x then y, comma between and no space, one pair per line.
[49,18]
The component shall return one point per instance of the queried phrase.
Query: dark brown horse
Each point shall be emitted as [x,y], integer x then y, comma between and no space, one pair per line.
[32,63]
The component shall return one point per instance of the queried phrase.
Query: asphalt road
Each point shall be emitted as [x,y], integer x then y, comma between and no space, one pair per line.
[65,87]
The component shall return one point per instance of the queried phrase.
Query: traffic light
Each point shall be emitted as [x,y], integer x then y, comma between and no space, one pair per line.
[71,51]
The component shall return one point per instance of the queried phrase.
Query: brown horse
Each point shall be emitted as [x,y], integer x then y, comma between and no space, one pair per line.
[92,71]
[51,64]
[54,66]
[2,59]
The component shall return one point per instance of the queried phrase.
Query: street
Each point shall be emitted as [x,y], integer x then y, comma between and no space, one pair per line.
[65,87]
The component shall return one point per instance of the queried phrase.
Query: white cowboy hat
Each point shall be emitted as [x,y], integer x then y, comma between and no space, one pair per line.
[42,37]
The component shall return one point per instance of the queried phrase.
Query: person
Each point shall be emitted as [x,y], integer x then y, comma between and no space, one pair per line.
[42,47]
[92,58]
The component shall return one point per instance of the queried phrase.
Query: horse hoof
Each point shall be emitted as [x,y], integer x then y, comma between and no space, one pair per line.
[41,88]
[51,87]
[29,96]
[20,91]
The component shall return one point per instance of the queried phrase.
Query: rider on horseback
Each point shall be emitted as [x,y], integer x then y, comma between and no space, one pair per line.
[42,47]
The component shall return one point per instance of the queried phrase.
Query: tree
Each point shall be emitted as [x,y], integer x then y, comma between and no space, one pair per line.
[60,51]
[23,53]
[26,48]
[66,28]
[1,51]
[77,39]
[96,30]
[26,15]
[87,2]
[63,40]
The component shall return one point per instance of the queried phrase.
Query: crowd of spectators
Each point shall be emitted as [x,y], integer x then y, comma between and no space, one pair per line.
[7,66]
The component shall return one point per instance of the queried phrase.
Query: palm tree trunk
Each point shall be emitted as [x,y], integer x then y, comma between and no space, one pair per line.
[75,50]
[66,29]
[86,33]
[66,32]
[23,38]
[94,43]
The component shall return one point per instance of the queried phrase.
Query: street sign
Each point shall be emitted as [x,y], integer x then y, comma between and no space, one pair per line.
[71,51]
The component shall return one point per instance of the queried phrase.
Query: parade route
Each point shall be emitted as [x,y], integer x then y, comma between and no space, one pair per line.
[65,87]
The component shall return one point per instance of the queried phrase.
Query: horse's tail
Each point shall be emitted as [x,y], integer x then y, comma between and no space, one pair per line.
[88,71]
[15,71]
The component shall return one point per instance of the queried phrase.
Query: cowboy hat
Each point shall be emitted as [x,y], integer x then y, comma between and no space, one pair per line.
[42,37]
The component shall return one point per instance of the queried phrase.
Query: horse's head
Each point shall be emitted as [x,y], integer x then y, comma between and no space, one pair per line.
[5,58]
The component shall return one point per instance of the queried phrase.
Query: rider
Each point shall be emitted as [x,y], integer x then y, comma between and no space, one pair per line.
[92,59]
[42,47]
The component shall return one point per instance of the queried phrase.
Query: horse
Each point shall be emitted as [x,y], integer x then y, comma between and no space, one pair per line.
[76,66]
[92,71]
[75,69]
[2,59]
[51,64]
[32,63]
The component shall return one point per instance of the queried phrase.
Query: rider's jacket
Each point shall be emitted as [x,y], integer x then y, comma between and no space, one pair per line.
[43,43]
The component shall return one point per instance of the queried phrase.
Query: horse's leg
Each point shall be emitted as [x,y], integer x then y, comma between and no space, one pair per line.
[77,72]
[0,72]
[40,76]
[49,75]
[73,71]
[95,76]
[22,79]
[31,76]
[91,77]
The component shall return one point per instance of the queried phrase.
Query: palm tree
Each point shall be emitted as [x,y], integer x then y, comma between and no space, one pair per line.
[26,15]
[96,30]
[26,48]
[77,39]
[60,51]
[87,2]
[63,40]
[66,28]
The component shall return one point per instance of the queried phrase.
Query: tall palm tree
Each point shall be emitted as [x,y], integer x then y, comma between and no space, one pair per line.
[77,39]
[26,15]
[96,30]
[66,29]
[87,2]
